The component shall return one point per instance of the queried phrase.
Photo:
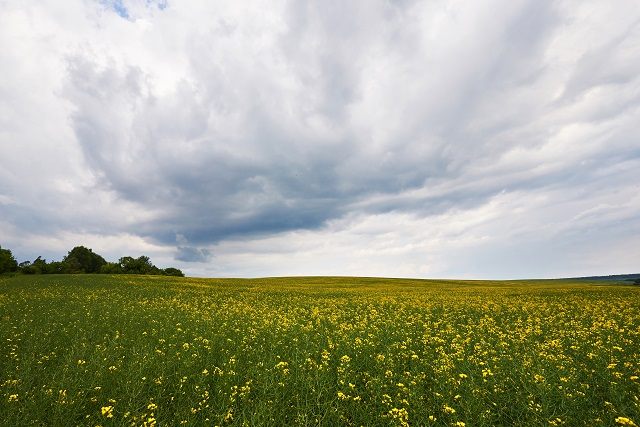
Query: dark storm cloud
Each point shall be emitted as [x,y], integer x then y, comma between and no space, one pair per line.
[191,254]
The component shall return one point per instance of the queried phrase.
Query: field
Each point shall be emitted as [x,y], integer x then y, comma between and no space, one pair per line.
[96,350]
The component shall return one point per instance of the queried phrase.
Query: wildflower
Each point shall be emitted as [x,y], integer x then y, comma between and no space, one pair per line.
[449,410]
[400,414]
[625,421]
[13,398]
[107,411]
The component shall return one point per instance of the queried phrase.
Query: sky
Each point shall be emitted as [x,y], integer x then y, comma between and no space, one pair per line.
[463,139]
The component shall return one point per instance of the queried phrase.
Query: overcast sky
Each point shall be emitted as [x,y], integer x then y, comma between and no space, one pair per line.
[486,139]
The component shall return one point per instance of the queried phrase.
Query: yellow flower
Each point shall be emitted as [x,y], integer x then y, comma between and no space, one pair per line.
[107,411]
[625,421]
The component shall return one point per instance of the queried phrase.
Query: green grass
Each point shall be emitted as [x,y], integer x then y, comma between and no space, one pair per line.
[101,350]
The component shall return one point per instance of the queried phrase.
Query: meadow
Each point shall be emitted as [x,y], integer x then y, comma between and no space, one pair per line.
[99,350]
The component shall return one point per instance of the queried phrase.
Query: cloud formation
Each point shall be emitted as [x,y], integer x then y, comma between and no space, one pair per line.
[459,139]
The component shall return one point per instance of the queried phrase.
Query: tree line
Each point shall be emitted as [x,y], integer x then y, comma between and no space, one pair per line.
[83,260]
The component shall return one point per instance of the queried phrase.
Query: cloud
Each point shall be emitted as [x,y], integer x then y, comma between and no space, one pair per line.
[191,254]
[237,126]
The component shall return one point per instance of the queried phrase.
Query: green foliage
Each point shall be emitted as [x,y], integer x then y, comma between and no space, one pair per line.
[27,267]
[172,272]
[84,260]
[140,265]
[8,263]
[40,265]
[111,268]
[59,267]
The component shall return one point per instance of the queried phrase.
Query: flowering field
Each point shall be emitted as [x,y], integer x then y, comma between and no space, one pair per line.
[158,351]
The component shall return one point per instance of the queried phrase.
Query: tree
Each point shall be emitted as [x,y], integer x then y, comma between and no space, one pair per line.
[173,272]
[7,262]
[84,260]
[140,265]
[111,268]
[59,267]
[127,264]
[40,265]
[27,268]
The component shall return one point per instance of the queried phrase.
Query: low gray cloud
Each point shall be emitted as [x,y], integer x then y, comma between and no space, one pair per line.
[222,123]
[191,254]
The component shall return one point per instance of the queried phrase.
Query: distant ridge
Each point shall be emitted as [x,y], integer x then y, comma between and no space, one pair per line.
[611,277]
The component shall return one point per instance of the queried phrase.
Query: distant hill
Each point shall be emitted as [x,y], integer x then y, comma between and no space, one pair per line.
[611,277]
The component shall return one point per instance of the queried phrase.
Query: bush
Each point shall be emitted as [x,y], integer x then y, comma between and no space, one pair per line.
[173,272]
[111,268]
